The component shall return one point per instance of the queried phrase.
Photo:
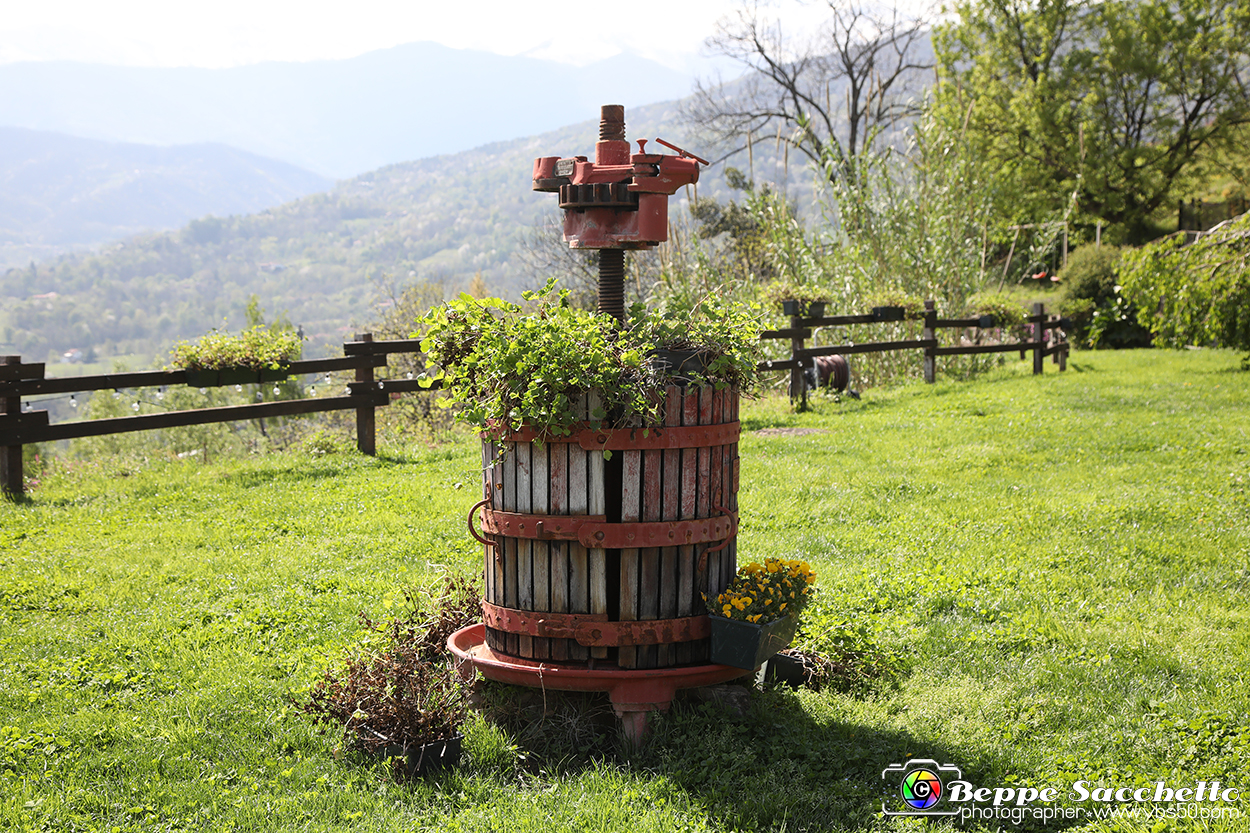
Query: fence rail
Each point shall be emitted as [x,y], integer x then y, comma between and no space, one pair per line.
[802,357]
[18,379]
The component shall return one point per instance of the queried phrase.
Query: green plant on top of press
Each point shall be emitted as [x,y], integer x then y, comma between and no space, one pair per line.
[508,365]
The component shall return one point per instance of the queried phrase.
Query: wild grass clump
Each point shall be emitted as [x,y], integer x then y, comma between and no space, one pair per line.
[403,691]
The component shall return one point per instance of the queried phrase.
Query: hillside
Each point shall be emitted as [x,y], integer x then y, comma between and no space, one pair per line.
[59,192]
[321,259]
[338,118]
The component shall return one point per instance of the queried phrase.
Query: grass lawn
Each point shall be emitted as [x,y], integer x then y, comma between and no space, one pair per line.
[1037,580]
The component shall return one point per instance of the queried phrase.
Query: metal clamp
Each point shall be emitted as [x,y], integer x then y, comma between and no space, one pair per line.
[472,530]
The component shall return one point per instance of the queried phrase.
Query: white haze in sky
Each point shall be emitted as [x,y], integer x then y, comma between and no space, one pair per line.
[224,33]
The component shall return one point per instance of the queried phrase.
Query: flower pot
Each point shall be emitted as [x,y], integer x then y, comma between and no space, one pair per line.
[789,670]
[420,760]
[792,307]
[747,645]
[887,313]
[985,322]
[680,365]
[816,309]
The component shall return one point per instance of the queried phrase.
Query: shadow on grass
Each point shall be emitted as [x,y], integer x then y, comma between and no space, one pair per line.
[775,767]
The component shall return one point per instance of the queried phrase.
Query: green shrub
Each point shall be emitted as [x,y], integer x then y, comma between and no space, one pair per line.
[1007,311]
[256,348]
[1091,299]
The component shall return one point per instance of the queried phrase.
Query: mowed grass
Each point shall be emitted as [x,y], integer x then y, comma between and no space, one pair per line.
[1036,579]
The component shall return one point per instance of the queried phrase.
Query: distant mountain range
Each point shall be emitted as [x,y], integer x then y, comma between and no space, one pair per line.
[60,192]
[324,259]
[337,118]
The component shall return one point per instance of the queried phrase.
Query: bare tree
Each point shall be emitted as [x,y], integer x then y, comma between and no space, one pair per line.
[829,94]
[544,254]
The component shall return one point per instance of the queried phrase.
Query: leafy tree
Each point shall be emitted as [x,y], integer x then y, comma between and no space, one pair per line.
[1195,294]
[1110,100]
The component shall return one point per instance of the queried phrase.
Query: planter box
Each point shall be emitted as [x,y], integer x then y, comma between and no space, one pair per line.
[816,309]
[239,377]
[680,365]
[792,307]
[233,376]
[203,378]
[746,645]
[417,761]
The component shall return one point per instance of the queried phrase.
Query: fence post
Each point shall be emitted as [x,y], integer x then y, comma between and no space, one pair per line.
[366,425]
[798,386]
[11,483]
[1039,337]
[929,332]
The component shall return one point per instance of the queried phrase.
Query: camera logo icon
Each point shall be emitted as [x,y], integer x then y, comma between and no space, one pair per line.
[918,788]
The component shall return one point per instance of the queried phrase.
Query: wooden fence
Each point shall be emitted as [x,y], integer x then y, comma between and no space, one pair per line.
[802,357]
[18,379]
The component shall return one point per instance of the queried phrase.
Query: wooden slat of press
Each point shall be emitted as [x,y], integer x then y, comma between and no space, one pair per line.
[488,552]
[489,584]
[540,483]
[727,557]
[649,557]
[670,511]
[631,510]
[510,544]
[687,591]
[716,494]
[579,560]
[558,504]
[703,500]
[496,502]
[596,505]
[525,547]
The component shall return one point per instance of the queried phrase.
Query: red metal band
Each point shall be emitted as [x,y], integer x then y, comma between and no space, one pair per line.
[593,531]
[594,630]
[625,439]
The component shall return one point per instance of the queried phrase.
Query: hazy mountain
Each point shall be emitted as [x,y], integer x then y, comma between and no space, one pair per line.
[60,192]
[322,259]
[337,118]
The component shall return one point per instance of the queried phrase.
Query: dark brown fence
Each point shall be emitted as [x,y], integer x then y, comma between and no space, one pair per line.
[803,357]
[18,379]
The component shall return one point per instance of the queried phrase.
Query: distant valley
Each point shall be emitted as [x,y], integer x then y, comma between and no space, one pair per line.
[326,259]
[59,193]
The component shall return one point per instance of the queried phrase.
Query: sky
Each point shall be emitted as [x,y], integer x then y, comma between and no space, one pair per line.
[224,33]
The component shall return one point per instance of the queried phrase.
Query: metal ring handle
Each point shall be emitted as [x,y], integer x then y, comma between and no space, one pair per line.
[472,530]
[733,529]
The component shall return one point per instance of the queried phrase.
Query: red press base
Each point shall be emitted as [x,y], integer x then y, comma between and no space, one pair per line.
[633,692]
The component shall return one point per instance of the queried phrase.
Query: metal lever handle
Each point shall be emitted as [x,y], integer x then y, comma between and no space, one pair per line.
[473,530]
